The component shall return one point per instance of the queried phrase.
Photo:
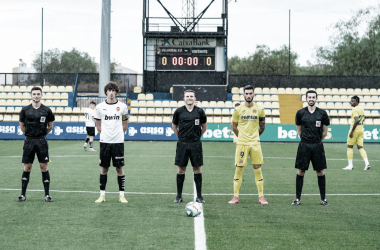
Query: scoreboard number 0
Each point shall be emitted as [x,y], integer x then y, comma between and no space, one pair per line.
[164,60]
[208,61]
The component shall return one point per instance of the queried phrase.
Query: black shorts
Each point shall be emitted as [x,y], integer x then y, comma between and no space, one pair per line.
[114,151]
[90,131]
[186,150]
[313,152]
[33,146]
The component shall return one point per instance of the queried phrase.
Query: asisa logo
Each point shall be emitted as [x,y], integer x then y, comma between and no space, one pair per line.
[152,130]
[76,130]
[8,129]
[132,131]
[109,117]
[58,130]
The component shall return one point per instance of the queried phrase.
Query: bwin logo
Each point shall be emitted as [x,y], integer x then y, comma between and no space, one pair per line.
[57,130]
[132,131]
[169,131]
[108,117]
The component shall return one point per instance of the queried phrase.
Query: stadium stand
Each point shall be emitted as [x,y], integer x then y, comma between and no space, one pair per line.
[280,104]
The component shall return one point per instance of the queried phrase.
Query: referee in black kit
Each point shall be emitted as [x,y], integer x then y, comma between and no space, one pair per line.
[312,126]
[36,121]
[189,124]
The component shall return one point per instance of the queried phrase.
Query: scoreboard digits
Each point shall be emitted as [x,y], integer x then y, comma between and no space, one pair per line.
[185,59]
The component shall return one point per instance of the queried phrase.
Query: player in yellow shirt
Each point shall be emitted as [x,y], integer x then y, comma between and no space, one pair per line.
[356,134]
[246,120]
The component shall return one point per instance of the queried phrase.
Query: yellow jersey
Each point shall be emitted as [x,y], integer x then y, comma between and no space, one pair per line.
[248,123]
[357,112]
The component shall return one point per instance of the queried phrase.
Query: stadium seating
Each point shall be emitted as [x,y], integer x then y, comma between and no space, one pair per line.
[137,90]
[334,100]
[141,96]
[82,118]
[235,90]
[132,118]
[66,118]
[141,119]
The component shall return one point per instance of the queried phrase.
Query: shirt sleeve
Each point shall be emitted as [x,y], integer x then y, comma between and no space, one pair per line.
[22,115]
[125,113]
[97,114]
[235,116]
[262,115]
[51,117]
[326,119]
[298,118]
[175,117]
[203,117]
[355,113]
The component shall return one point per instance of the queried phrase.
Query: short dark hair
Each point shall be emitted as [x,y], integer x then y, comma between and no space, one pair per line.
[356,98]
[247,87]
[312,92]
[92,102]
[111,86]
[189,90]
[36,88]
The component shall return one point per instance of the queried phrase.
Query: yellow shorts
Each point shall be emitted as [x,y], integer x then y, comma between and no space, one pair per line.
[254,152]
[357,138]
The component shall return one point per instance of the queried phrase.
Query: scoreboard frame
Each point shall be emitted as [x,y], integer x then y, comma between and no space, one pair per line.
[191,49]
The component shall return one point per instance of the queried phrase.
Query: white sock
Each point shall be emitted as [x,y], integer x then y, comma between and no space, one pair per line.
[102,192]
[366,162]
[121,193]
[350,164]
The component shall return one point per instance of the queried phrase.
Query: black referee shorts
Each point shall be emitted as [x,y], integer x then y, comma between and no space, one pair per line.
[313,152]
[186,150]
[90,131]
[114,151]
[33,146]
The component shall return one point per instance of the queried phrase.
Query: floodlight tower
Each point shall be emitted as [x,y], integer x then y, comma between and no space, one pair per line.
[188,11]
[191,49]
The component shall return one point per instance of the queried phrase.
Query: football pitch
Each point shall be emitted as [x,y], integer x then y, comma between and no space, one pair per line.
[152,221]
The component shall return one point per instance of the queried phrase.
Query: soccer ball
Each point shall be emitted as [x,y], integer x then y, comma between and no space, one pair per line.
[193,209]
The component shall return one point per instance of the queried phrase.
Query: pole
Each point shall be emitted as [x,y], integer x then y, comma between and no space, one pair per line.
[42,47]
[289,45]
[105,47]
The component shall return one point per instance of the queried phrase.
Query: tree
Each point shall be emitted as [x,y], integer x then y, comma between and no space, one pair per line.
[355,47]
[73,61]
[264,62]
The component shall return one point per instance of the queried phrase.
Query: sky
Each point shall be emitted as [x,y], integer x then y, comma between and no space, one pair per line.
[76,24]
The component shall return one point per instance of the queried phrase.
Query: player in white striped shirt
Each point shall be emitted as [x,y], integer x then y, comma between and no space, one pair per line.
[111,122]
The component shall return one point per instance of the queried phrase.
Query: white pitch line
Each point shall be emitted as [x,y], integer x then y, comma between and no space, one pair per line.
[148,193]
[171,156]
[199,227]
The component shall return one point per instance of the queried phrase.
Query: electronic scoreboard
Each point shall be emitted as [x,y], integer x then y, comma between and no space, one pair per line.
[188,50]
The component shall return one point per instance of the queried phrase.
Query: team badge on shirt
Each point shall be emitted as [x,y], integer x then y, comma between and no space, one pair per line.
[254,111]
[43,119]
[118,109]
[196,121]
[318,124]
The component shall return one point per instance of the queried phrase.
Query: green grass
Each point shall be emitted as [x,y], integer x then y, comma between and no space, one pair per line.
[152,221]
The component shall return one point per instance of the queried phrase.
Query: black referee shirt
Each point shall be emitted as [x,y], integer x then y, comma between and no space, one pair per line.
[189,123]
[312,124]
[36,120]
